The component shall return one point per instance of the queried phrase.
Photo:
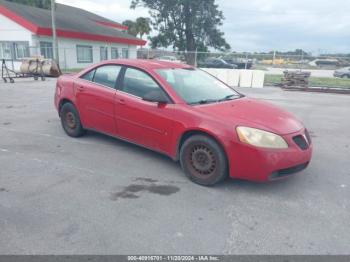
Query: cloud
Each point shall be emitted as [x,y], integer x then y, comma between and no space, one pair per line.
[288,24]
[118,10]
[261,25]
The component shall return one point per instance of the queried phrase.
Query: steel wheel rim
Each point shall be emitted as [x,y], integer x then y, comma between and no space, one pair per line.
[70,120]
[202,160]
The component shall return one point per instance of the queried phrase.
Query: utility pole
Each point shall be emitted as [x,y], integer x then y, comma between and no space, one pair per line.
[301,58]
[195,57]
[54,36]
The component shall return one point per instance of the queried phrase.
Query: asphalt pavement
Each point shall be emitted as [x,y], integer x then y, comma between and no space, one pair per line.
[99,195]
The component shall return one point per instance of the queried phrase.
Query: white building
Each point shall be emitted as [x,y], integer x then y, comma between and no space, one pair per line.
[83,37]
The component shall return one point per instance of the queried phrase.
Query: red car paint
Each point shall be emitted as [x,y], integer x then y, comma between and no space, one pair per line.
[161,127]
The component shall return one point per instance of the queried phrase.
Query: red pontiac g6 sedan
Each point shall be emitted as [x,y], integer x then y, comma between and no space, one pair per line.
[187,114]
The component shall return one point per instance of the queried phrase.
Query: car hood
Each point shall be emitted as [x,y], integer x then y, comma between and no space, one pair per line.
[253,113]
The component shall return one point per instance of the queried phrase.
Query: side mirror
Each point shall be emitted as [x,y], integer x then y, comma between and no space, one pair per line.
[156,96]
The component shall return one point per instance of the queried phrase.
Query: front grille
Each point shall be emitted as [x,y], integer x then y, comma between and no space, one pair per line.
[288,171]
[301,142]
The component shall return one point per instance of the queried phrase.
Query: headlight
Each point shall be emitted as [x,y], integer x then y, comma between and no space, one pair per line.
[260,138]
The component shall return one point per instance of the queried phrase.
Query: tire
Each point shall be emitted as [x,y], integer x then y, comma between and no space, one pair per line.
[203,160]
[70,121]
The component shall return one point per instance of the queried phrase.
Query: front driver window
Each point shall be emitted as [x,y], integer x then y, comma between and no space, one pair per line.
[139,83]
[107,75]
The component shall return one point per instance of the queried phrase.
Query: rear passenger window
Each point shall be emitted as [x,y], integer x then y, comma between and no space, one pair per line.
[107,75]
[89,75]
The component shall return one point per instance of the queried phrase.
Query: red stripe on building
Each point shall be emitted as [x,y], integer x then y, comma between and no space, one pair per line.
[18,19]
[86,36]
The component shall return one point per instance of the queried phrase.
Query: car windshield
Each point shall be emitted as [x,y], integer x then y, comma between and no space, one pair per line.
[196,86]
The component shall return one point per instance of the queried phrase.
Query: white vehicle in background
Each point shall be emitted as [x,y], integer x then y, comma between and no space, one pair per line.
[342,72]
[169,58]
[324,62]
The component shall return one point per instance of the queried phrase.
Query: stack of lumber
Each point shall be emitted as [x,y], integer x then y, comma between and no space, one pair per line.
[296,78]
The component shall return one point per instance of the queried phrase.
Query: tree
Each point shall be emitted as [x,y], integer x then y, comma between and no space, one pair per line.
[132,29]
[186,25]
[139,27]
[46,4]
[143,26]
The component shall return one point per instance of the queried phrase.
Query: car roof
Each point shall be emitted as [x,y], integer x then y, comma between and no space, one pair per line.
[148,64]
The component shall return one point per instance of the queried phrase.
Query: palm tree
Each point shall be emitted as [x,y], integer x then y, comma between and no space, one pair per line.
[139,27]
[143,26]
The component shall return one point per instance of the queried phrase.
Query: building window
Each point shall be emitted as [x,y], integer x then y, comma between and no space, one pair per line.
[84,54]
[46,50]
[114,53]
[125,53]
[21,50]
[5,50]
[14,50]
[103,53]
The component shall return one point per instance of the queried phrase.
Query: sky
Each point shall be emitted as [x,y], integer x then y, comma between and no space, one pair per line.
[317,26]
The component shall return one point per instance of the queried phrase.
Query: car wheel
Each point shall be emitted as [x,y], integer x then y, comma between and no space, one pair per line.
[203,160]
[70,121]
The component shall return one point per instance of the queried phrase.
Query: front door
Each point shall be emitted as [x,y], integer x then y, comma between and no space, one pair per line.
[145,123]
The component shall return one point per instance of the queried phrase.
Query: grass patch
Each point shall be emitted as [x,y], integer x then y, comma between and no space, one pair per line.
[314,81]
[271,80]
[73,70]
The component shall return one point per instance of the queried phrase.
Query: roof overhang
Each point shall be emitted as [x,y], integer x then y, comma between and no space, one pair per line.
[42,31]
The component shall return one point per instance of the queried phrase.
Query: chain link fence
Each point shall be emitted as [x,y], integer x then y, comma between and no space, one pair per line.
[272,63]
[247,60]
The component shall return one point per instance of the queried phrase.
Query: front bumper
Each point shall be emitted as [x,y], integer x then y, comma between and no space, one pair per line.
[259,164]
[283,173]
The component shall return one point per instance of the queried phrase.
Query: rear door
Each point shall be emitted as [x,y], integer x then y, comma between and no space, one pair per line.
[95,94]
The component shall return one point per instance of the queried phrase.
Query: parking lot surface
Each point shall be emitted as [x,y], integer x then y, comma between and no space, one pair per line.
[99,195]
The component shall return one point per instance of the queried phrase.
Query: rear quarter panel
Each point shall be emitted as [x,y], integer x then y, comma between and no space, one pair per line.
[65,89]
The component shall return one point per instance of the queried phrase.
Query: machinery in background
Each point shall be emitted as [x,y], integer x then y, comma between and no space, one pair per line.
[295,79]
[36,67]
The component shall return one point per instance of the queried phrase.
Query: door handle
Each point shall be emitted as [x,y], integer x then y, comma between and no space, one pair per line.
[80,88]
[121,101]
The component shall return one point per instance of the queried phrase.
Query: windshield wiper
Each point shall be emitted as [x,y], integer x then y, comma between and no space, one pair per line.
[230,97]
[207,101]
[204,101]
